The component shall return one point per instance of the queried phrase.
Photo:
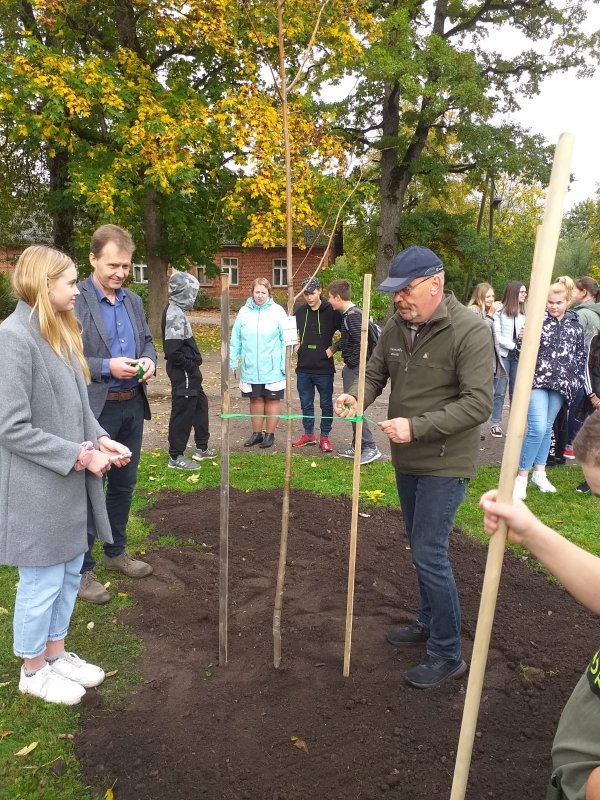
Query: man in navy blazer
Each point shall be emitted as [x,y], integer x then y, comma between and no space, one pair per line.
[118,347]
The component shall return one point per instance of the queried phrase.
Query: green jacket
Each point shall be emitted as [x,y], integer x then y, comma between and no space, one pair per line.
[588,314]
[442,384]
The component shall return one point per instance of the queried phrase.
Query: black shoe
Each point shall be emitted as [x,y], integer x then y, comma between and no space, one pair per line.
[414,633]
[434,670]
[268,441]
[254,439]
[583,488]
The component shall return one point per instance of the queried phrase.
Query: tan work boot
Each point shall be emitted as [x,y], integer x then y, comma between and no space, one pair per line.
[91,590]
[132,567]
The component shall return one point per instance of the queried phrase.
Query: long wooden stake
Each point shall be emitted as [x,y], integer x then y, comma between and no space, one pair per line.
[541,274]
[285,507]
[224,497]
[364,340]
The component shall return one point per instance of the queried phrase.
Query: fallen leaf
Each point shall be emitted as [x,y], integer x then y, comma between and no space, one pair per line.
[360,514]
[3,610]
[111,673]
[313,464]
[193,479]
[89,626]
[24,751]
[3,734]
[107,584]
[68,736]
[299,743]
[109,794]
[122,594]
[6,683]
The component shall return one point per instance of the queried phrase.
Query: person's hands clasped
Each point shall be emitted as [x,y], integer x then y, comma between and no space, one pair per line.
[397,430]
[118,454]
[594,400]
[98,464]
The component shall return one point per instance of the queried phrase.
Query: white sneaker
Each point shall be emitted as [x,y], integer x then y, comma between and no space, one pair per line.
[78,670]
[520,489]
[541,481]
[51,687]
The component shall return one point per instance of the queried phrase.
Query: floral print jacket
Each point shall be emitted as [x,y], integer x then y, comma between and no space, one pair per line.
[562,355]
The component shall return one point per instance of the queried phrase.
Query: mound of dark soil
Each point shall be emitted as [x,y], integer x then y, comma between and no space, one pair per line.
[194,729]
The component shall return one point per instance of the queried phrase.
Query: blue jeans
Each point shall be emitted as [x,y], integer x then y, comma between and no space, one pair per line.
[306,383]
[544,405]
[44,605]
[500,385]
[349,376]
[510,365]
[124,422]
[428,505]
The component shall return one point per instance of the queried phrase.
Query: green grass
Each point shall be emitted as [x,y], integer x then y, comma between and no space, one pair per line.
[50,771]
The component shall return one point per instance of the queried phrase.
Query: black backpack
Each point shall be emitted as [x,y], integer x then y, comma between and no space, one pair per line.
[374,333]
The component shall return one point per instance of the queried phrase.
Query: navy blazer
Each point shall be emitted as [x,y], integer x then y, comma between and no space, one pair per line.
[96,346]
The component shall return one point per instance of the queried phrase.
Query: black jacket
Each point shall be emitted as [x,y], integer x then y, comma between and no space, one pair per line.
[315,333]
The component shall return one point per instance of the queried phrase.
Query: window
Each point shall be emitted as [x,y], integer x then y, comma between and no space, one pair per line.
[203,279]
[230,265]
[280,272]
[139,273]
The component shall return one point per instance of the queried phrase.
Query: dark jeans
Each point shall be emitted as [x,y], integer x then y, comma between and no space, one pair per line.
[349,376]
[428,505]
[188,413]
[574,424]
[306,383]
[124,422]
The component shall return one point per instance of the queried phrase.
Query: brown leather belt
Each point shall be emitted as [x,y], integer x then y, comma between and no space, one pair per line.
[128,394]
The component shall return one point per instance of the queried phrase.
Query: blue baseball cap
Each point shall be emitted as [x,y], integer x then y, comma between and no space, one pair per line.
[414,262]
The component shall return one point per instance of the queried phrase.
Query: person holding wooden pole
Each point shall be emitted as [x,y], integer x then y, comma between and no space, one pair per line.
[576,748]
[438,356]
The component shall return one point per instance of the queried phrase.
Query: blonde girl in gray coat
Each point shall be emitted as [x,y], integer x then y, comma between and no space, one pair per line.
[53,455]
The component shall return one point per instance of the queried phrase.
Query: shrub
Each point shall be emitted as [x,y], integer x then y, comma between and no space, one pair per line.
[8,300]
[140,289]
[204,302]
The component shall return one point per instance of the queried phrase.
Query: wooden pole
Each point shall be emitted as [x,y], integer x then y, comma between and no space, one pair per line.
[362,364]
[285,506]
[224,497]
[541,275]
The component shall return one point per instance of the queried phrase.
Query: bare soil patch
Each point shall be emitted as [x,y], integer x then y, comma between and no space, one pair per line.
[194,729]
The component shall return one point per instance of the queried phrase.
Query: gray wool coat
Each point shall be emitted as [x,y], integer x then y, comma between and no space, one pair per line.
[45,415]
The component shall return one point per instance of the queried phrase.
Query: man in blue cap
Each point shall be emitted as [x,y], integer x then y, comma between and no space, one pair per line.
[438,357]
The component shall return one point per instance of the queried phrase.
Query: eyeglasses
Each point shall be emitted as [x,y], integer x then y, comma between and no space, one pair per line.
[522,291]
[412,286]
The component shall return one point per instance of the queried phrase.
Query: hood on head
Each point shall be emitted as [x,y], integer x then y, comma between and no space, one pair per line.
[183,289]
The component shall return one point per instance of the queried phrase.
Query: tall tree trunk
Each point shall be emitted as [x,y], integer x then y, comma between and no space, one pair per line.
[156,264]
[389,184]
[59,203]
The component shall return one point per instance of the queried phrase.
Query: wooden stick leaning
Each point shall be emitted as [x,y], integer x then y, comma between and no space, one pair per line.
[541,275]
[285,506]
[362,365]
[224,496]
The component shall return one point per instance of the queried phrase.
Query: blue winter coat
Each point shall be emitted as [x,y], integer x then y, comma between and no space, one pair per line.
[257,340]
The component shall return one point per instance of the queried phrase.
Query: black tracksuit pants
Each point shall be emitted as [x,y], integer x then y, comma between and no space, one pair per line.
[187,413]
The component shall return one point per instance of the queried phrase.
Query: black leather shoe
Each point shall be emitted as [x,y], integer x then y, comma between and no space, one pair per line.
[256,438]
[414,633]
[268,441]
[434,670]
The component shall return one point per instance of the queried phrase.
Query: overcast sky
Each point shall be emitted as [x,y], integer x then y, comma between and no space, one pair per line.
[568,104]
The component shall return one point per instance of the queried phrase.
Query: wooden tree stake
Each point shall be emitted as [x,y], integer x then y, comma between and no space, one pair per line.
[224,498]
[362,364]
[541,275]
